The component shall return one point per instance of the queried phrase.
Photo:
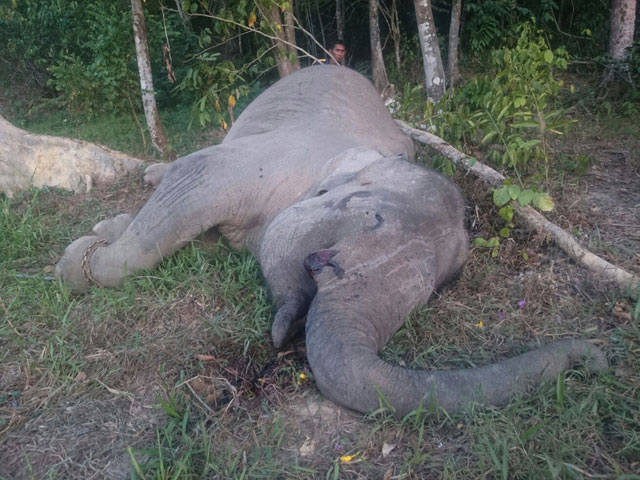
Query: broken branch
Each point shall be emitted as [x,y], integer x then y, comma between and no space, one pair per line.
[629,282]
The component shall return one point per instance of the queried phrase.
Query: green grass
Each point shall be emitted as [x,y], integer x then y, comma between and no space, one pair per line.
[182,353]
[208,302]
[121,132]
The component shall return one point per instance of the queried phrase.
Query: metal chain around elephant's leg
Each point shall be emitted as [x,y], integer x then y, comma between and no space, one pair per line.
[86,268]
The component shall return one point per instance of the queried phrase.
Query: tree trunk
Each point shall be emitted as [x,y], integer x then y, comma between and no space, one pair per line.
[290,33]
[285,42]
[30,160]
[156,131]
[183,16]
[339,19]
[378,70]
[431,58]
[454,39]
[395,32]
[623,15]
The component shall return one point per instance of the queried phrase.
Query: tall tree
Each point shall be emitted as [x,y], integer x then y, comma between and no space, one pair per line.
[158,138]
[454,40]
[286,52]
[396,35]
[431,58]
[378,70]
[623,15]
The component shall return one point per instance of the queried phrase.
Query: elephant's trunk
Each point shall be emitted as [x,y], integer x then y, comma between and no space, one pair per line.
[342,347]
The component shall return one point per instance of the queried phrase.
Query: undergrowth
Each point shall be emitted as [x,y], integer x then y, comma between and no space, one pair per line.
[196,329]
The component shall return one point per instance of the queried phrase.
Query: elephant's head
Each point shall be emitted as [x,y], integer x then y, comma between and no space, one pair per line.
[361,256]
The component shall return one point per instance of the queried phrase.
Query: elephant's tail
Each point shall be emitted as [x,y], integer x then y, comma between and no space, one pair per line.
[343,357]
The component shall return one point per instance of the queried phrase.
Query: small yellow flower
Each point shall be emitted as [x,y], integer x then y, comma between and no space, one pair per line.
[480,324]
[224,125]
[302,377]
[232,101]
[217,105]
[348,458]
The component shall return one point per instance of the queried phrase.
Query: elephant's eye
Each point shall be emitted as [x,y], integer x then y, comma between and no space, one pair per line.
[321,192]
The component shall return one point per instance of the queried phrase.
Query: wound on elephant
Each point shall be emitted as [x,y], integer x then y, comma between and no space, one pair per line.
[315,262]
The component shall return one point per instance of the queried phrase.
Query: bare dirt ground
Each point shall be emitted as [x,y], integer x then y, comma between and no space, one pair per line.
[85,433]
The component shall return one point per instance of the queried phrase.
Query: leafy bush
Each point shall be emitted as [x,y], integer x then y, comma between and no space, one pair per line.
[510,112]
[489,21]
[101,76]
[220,75]
[508,115]
[583,31]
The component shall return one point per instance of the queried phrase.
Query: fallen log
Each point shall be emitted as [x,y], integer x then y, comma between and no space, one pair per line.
[628,282]
[30,160]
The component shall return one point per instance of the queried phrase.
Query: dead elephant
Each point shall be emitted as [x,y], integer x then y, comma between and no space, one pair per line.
[316,180]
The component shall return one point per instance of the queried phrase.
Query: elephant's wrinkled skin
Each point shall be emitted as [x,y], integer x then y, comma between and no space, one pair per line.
[314,179]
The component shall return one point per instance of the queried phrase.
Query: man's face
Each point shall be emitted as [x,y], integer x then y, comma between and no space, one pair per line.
[338,52]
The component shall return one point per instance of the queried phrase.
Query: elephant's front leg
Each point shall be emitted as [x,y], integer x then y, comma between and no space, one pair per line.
[187,202]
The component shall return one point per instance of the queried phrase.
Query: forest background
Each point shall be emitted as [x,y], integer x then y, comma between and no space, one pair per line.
[187,385]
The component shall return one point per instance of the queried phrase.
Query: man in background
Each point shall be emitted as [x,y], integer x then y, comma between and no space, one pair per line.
[339,53]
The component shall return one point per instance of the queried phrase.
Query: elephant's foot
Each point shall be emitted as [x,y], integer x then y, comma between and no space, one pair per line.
[75,266]
[112,229]
[154,173]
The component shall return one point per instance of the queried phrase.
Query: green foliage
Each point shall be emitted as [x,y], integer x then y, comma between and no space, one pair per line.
[218,81]
[489,21]
[86,51]
[583,31]
[38,31]
[214,82]
[511,111]
[410,71]
[509,115]
[100,77]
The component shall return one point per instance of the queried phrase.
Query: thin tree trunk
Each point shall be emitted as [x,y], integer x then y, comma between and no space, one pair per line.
[340,19]
[283,49]
[628,282]
[454,39]
[623,15]
[378,70]
[156,131]
[431,58]
[183,16]
[312,47]
[290,33]
[324,40]
[395,31]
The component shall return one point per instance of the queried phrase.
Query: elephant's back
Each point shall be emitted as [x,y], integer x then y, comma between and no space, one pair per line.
[323,103]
